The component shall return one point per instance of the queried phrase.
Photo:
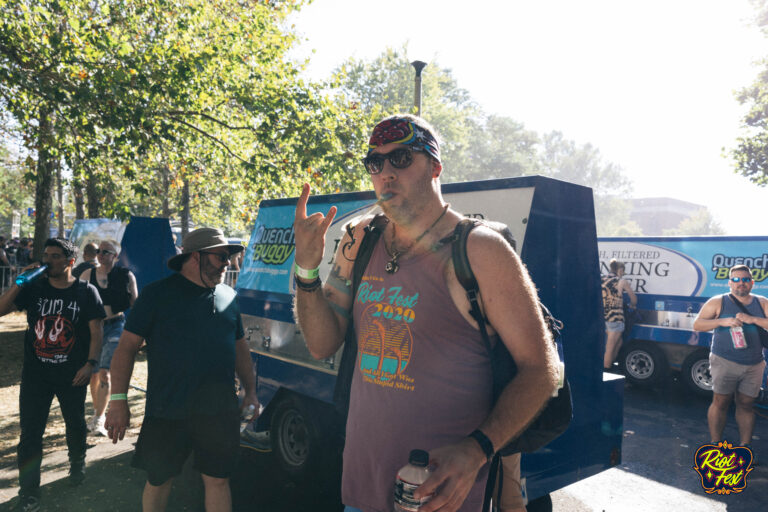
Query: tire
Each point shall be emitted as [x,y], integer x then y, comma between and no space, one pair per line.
[695,372]
[540,504]
[295,441]
[643,363]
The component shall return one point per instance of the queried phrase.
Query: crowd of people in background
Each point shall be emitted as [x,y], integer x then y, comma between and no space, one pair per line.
[15,252]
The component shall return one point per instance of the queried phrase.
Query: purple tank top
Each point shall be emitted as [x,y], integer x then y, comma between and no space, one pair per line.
[422,377]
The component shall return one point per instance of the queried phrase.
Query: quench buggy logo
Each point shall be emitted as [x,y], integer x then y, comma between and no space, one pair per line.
[723,468]
[273,246]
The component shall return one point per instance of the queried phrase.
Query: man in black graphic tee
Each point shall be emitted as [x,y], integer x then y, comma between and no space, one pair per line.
[62,342]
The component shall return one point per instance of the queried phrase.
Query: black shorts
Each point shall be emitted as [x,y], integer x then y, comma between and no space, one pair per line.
[164,445]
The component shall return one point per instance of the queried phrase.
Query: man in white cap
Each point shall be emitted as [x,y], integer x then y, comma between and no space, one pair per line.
[195,345]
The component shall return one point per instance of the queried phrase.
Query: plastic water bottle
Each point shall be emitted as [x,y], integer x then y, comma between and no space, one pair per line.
[30,275]
[247,417]
[408,479]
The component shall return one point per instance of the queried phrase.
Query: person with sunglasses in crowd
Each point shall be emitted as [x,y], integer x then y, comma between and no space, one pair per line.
[195,345]
[423,376]
[736,356]
[118,291]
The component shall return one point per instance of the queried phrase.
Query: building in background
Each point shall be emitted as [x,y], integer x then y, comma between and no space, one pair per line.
[655,214]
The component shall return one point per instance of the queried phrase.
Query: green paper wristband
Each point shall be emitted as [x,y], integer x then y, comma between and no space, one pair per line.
[304,273]
[119,396]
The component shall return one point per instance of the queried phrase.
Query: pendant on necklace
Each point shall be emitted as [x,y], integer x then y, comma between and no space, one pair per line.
[392,266]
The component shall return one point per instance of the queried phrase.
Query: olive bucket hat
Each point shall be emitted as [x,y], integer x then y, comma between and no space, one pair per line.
[200,240]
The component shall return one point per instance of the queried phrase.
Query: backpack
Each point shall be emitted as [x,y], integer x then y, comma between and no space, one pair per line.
[555,417]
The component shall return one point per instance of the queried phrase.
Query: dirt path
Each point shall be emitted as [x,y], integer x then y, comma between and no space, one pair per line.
[111,484]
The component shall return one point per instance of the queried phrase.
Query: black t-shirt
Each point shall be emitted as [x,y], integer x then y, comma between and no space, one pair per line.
[116,294]
[190,332]
[58,336]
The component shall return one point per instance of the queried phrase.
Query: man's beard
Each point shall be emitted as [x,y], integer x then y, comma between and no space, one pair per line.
[212,275]
[741,292]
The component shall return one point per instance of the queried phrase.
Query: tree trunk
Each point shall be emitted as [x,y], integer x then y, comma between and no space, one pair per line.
[185,209]
[60,197]
[44,183]
[92,196]
[77,193]
[166,191]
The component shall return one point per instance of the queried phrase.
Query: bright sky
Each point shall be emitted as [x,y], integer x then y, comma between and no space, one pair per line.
[650,84]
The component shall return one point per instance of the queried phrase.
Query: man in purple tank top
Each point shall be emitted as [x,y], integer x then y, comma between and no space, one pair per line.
[736,359]
[422,376]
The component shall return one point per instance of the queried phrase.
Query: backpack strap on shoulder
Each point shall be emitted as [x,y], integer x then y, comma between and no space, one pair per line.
[459,253]
[371,234]
[466,276]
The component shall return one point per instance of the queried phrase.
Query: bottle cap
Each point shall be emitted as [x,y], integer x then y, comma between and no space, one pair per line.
[419,458]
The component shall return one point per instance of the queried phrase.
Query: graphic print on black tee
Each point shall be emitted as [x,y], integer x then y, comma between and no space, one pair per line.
[54,329]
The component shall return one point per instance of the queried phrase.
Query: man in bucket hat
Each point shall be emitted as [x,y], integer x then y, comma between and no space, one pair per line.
[195,344]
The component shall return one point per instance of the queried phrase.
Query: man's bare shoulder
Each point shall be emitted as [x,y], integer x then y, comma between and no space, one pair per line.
[485,245]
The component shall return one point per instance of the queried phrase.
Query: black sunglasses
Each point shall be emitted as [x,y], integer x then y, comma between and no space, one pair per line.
[741,279]
[223,258]
[400,158]
[104,251]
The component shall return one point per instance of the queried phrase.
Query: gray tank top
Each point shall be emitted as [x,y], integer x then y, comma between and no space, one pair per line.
[722,345]
[422,378]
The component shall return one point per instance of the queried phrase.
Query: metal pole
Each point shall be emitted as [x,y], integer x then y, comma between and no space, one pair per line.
[418,66]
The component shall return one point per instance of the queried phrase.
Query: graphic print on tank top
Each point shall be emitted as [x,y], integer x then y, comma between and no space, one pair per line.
[385,340]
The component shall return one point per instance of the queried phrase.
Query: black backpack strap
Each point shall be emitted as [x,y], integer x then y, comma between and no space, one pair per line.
[465,275]
[466,278]
[494,475]
[371,235]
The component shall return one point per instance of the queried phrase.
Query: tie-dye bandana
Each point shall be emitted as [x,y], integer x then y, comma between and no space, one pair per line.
[403,131]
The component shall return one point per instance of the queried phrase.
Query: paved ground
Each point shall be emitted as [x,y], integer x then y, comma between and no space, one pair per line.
[662,430]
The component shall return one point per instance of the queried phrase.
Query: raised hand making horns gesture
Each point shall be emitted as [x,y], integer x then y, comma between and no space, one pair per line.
[310,231]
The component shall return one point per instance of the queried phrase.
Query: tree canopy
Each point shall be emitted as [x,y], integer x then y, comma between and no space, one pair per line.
[750,156]
[140,98]
[477,145]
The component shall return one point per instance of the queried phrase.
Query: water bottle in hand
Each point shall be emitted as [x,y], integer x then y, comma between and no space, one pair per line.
[247,416]
[30,275]
[408,479]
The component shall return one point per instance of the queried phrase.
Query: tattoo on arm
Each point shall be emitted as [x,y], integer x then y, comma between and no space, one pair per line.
[348,246]
[339,283]
[340,310]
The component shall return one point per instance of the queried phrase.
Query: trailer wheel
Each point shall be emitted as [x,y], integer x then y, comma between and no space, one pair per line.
[643,363]
[695,372]
[295,442]
[540,504]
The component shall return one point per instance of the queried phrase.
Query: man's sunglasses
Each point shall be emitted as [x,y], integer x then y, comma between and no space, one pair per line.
[223,258]
[104,252]
[741,279]
[400,158]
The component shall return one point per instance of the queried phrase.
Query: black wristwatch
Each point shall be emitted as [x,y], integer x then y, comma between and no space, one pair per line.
[93,362]
[485,444]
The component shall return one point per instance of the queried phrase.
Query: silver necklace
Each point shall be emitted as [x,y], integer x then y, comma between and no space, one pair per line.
[392,265]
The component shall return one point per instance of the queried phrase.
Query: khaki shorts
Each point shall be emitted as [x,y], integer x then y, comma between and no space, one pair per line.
[727,376]
[511,491]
